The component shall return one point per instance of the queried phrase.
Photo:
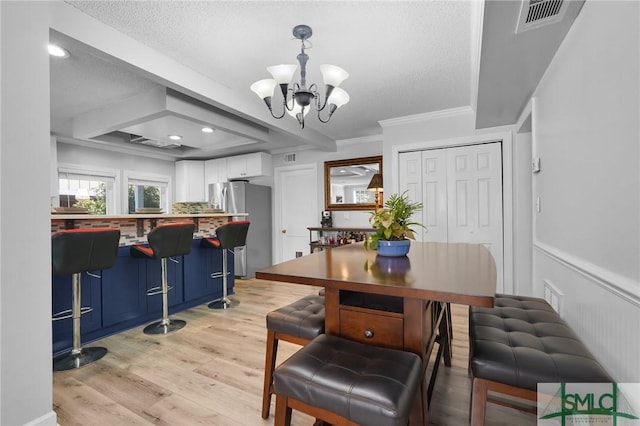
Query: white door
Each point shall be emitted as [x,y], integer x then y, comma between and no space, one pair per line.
[296,209]
[461,192]
[434,195]
[411,181]
[474,190]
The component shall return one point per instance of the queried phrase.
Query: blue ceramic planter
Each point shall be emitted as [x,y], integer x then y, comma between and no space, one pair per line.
[393,248]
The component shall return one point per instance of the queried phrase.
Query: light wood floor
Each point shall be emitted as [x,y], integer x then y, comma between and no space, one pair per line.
[211,371]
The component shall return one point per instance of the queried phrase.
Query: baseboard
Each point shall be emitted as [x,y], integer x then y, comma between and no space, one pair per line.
[49,419]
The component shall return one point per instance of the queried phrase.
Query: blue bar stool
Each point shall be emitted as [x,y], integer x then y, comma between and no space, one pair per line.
[74,251]
[165,241]
[227,237]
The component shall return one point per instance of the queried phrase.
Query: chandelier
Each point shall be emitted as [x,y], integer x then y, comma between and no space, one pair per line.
[298,99]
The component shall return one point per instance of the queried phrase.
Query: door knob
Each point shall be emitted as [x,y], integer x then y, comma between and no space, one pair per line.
[284,231]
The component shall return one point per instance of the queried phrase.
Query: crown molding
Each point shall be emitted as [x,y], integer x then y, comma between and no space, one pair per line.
[359,140]
[420,118]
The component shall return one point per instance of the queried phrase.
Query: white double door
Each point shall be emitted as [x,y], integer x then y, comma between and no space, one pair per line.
[461,192]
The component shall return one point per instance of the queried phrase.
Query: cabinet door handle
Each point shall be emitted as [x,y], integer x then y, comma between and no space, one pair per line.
[368,334]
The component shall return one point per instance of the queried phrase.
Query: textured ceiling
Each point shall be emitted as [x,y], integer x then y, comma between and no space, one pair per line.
[404,58]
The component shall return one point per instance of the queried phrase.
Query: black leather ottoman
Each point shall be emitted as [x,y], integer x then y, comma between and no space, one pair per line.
[298,322]
[519,343]
[364,384]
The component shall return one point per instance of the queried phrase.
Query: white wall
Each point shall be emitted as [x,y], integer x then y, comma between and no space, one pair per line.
[522,215]
[585,130]
[25,243]
[366,148]
[455,128]
[90,157]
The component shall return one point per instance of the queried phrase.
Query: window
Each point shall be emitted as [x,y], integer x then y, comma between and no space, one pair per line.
[93,190]
[147,192]
[362,196]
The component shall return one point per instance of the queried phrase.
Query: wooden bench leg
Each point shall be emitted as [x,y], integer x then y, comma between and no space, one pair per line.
[478,401]
[269,366]
[283,411]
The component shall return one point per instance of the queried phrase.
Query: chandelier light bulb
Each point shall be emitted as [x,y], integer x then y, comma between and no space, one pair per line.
[293,109]
[283,74]
[333,75]
[338,97]
[264,88]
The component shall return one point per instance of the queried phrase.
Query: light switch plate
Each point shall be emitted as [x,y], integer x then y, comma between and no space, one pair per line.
[535,165]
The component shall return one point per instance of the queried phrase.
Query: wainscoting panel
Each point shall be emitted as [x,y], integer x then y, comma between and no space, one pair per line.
[606,317]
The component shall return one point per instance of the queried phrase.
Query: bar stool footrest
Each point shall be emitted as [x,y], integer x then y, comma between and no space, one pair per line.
[69,313]
[219,275]
[157,290]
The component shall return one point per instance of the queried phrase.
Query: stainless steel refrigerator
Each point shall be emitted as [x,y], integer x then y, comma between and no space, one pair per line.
[243,197]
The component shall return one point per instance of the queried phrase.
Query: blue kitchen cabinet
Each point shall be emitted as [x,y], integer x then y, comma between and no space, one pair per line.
[202,262]
[124,289]
[119,298]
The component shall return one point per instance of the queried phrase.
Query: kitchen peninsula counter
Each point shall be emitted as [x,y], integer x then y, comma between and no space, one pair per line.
[118,295]
[135,227]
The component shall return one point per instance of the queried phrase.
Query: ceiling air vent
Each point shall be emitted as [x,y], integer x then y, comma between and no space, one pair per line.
[152,142]
[538,13]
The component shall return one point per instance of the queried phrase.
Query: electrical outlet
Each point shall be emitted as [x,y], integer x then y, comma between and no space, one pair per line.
[554,297]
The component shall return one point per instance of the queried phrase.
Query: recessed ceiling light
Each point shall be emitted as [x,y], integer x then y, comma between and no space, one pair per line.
[207,130]
[57,51]
[175,137]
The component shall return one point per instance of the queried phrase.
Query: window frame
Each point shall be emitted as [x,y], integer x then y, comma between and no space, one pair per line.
[112,194]
[137,178]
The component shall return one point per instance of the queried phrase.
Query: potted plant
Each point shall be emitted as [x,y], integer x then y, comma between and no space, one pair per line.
[393,225]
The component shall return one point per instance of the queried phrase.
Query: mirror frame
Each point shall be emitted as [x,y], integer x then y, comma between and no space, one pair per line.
[348,162]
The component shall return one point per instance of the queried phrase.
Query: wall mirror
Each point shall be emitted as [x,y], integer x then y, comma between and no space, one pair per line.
[346,182]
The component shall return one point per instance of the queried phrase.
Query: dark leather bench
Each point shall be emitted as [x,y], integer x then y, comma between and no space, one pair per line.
[344,382]
[519,343]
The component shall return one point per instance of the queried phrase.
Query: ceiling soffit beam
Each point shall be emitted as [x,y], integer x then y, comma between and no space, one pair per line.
[120,114]
[222,120]
[157,103]
[161,69]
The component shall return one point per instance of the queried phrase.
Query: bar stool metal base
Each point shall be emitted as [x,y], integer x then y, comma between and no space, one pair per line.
[164,327]
[70,361]
[224,303]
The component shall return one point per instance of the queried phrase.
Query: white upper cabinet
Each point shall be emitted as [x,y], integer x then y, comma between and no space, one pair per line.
[249,165]
[215,171]
[190,181]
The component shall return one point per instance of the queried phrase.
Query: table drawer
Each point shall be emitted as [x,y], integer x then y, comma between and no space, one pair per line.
[380,330]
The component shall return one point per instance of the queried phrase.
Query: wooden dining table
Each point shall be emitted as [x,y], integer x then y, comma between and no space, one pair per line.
[397,302]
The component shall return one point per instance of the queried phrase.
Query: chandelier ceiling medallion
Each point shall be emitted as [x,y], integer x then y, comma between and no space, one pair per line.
[297,98]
